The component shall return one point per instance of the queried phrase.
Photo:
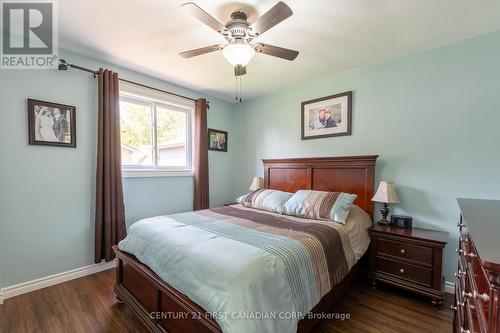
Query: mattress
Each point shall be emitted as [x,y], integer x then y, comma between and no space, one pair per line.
[253,271]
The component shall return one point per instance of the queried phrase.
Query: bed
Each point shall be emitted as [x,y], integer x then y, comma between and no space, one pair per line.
[163,308]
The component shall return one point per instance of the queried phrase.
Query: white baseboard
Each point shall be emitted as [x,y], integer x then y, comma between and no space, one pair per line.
[449,287]
[47,281]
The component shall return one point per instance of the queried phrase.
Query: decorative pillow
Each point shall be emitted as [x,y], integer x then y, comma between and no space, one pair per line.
[270,200]
[319,205]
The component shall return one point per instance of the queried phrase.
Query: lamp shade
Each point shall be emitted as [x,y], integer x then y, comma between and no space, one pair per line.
[386,193]
[257,184]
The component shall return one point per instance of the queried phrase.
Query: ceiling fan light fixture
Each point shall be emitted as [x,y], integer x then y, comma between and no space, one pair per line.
[238,52]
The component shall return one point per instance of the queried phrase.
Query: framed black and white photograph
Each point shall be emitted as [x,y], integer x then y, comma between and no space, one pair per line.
[217,140]
[327,116]
[51,124]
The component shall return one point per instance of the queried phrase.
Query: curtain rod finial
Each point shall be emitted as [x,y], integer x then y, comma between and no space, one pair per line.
[63,66]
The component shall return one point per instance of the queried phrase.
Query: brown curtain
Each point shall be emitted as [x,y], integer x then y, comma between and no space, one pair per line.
[201,200]
[110,210]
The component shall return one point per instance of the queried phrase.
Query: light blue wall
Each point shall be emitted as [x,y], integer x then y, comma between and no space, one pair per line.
[433,117]
[47,193]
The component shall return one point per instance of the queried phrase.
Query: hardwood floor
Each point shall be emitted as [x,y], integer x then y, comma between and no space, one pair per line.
[88,305]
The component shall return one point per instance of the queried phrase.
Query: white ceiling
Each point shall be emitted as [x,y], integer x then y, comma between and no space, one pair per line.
[332,36]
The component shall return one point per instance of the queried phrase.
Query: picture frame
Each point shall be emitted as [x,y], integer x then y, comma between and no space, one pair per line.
[401,221]
[51,124]
[217,140]
[327,116]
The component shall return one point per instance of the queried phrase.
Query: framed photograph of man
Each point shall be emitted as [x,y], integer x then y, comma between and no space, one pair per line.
[51,124]
[327,116]
[217,140]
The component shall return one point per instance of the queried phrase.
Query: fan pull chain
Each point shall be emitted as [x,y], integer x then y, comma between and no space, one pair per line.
[240,89]
[236,88]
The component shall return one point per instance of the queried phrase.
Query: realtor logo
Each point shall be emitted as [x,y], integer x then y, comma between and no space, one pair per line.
[29,35]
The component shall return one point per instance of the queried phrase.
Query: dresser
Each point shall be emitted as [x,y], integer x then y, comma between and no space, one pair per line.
[477,289]
[408,258]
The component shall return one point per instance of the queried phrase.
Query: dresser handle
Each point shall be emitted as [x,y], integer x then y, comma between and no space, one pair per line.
[458,305]
[402,251]
[483,297]
[460,274]
[467,295]
[470,254]
[402,271]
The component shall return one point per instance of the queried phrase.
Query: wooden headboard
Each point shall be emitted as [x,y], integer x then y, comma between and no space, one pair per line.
[350,174]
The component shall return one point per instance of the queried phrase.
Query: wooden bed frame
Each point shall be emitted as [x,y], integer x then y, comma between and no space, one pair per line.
[156,303]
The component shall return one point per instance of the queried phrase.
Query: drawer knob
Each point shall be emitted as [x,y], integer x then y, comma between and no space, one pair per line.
[458,305]
[471,255]
[402,251]
[402,271]
[483,297]
[466,295]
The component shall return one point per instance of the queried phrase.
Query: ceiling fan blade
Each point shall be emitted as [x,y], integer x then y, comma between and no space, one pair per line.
[203,16]
[272,17]
[276,51]
[201,50]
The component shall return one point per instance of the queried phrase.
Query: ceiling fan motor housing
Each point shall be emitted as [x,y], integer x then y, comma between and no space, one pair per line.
[238,25]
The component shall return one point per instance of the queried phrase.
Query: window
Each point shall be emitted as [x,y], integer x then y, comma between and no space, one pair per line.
[156,137]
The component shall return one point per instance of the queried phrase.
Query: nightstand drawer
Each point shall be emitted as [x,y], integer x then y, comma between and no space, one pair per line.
[405,271]
[419,254]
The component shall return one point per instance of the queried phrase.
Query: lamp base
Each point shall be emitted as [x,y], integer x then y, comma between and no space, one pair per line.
[385,212]
[383,222]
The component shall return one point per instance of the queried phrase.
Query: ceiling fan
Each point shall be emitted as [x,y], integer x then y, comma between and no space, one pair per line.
[240,33]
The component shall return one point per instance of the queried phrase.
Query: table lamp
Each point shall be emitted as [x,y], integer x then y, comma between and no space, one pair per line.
[257,184]
[386,193]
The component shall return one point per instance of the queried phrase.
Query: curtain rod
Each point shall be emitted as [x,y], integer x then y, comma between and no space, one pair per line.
[63,66]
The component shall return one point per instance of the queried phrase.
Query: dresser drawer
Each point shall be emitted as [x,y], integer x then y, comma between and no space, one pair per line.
[405,271]
[416,253]
[479,288]
[472,318]
[460,308]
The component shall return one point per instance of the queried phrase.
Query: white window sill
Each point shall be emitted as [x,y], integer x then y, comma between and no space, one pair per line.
[156,173]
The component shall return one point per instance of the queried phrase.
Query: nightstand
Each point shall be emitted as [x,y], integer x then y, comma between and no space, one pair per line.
[408,258]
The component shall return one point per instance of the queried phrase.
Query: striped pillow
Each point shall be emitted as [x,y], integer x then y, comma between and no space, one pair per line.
[319,205]
[270,200]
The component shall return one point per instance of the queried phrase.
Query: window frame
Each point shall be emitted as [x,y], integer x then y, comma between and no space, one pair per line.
[146,96]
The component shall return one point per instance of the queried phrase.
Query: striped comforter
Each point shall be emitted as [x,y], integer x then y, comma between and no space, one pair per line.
[239,263]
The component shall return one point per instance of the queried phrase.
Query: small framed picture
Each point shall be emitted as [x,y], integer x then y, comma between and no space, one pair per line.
[327,116]
[217,140]
[401,221]
[51,124]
